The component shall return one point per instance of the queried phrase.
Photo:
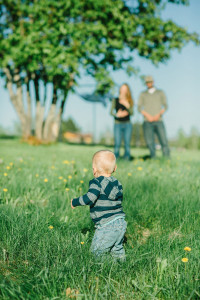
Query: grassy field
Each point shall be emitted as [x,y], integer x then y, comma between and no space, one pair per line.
[44,244]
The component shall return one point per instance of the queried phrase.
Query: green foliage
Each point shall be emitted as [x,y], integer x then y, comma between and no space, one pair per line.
[54,40]
[161,201]
[191,141]
[137,138]
[69,125]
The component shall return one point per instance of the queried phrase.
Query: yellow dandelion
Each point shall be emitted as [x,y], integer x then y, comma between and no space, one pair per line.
[60,177]
[52,167]
[70,177]
[8,167]
[45,180]
[129,174]
[73,162]
[11,163]
[81,181]
[5,174]
[67,189]
[21,160]
[50,227]
[65,180]
[85,170]
[82,243]
[66,162]
[36,175]
[5,190]
[139,168]
[185,259]
[80,189]
[187,249]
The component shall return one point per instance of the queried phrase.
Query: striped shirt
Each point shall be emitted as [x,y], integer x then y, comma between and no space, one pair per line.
[104,197]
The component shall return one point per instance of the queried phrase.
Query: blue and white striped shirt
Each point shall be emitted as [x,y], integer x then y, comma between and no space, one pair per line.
[105,197]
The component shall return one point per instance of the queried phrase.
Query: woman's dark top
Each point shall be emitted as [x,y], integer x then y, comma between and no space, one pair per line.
[119,106]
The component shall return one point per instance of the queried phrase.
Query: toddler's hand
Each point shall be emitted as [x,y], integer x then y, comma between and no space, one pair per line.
[72,205]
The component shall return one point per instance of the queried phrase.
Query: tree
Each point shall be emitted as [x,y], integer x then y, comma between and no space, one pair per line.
[48,44]
[69,125]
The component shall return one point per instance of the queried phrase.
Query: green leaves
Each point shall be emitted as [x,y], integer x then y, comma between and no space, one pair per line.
[57,38]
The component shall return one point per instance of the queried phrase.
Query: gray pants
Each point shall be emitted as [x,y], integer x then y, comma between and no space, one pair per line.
[109,238]
[158,128]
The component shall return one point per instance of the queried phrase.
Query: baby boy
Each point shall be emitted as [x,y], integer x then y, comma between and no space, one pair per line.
[105,197]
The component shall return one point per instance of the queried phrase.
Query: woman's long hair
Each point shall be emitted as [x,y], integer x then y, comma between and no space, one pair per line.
[128,94]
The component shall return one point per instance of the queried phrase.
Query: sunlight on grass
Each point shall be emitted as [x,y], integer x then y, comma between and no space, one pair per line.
[44,244]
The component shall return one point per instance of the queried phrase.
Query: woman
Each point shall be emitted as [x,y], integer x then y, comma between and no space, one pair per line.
[122,109]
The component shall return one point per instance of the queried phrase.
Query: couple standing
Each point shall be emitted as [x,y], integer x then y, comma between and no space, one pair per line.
[152,105]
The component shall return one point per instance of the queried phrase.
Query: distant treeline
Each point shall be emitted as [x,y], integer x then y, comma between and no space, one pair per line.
[182,140]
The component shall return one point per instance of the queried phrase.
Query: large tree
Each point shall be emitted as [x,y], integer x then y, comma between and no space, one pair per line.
[48,43]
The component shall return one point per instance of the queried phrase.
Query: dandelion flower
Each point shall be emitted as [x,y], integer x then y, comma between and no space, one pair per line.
[65,180]
[52,167]
[70,177]
[8,167]
[11,163]
[85,170]
[80,189]
[129,174]
[73,162]
[81,181]
[82,243]
[66,162]
[36,175]
[187,249]
[67,189]
[139,168]
[45,180]
[50,227]
[5,190]
[60,177]
[185,259]
[5,174]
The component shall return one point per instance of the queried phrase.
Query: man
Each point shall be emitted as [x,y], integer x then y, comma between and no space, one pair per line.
[152,105]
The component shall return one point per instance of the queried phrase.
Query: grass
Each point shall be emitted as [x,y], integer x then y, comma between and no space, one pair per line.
[44,244]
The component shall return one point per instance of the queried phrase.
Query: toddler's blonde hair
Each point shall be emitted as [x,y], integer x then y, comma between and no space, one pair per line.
[104,161]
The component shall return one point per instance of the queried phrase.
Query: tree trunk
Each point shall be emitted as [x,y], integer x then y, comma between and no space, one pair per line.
[47,133]
[55,128]
[29,116]
[17,101]
[52,125]
[39,118]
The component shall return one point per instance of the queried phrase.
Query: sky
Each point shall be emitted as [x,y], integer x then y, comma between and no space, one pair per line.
[179,78]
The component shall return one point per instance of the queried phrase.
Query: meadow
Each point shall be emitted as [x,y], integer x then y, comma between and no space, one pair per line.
[45,245]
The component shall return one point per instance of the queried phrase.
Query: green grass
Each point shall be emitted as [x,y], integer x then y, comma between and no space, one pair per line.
[162,206]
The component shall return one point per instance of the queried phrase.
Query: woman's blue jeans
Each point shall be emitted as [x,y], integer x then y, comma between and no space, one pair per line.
[152,128]
[122,130]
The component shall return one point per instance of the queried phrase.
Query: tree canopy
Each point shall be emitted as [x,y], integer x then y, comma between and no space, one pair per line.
[54,41]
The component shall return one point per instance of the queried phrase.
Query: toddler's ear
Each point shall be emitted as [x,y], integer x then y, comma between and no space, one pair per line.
[115,168]
[94,170]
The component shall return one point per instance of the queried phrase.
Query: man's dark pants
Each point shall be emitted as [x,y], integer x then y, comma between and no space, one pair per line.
[158,128]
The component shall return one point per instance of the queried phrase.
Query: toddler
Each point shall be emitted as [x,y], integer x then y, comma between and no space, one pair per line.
[105,197]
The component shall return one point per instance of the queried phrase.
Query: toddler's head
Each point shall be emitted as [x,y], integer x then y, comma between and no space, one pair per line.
[104,163]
